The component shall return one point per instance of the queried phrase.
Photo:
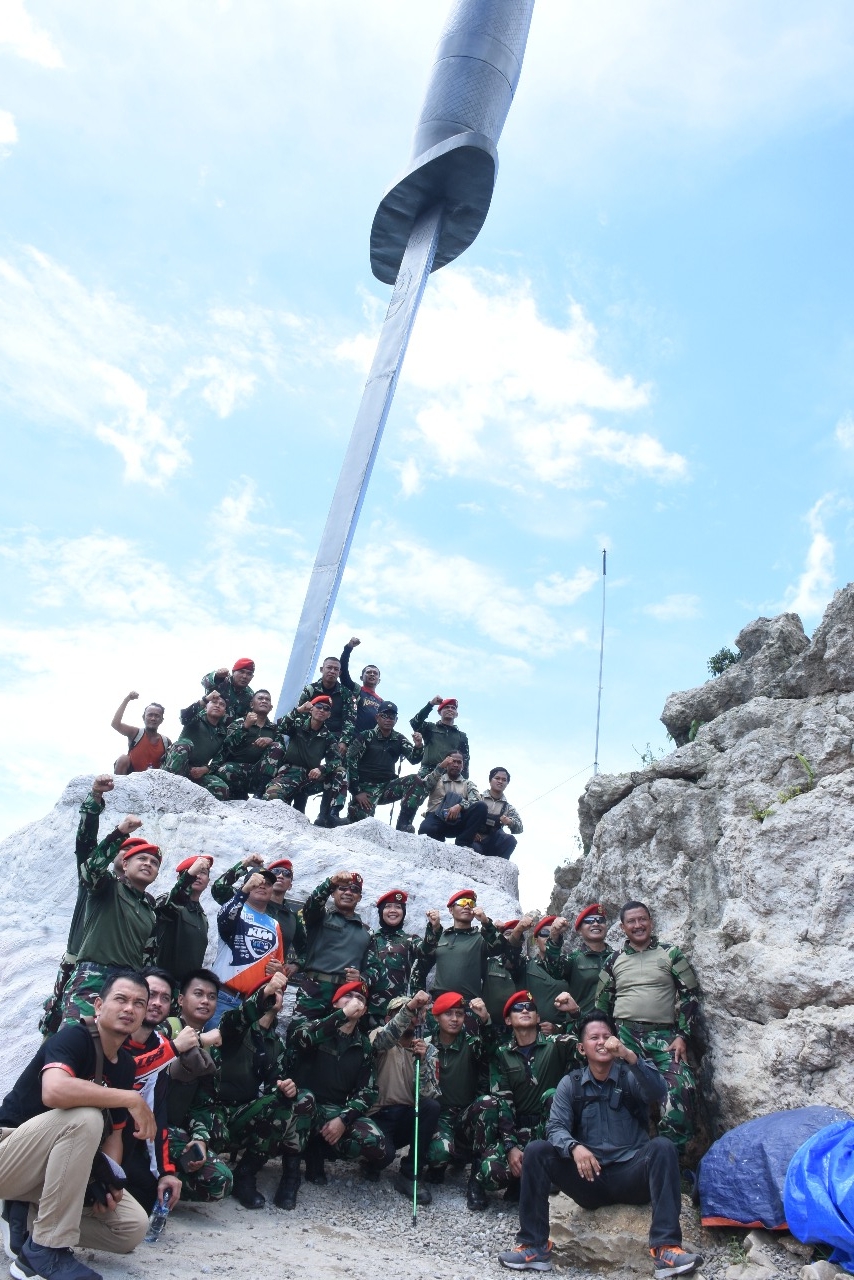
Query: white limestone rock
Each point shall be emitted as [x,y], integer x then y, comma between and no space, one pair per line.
[41,883]
[764,908]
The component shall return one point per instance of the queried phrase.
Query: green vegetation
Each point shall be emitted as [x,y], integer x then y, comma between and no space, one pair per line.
[719,661]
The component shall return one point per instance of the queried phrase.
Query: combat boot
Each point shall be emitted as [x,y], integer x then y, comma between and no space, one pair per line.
[245,1189]
[476,1197]
[286,1192]
[314,1167]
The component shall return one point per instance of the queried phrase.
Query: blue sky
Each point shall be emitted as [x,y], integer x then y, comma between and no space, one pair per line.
[649,349]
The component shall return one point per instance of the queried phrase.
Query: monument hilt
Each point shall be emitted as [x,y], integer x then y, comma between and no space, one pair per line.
[428,217]
[454,152]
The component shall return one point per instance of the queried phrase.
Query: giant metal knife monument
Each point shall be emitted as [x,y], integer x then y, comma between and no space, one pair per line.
[425,220]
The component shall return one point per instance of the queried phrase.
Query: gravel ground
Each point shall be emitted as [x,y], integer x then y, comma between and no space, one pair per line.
[364,1231]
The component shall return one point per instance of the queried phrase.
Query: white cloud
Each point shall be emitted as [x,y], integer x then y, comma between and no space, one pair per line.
[674,608]
[28,41]
[81,359]
[501,391]
[810,593]
[396,576]
[844,432]
[559,590]
[8,132]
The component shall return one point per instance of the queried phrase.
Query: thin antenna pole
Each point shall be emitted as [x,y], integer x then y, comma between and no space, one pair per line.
[601,657]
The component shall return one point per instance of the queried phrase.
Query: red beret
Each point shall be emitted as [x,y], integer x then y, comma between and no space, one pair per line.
[322,698]
[244,664]
[544,924]
[518,996]
[595,909]
[188,862]
[281,862]
[450,1000]
[393,895]
[137,844]
[448,702]
[351,988]
[462,893]
[508,924]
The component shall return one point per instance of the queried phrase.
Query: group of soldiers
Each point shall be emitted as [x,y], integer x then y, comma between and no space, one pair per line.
[212,1071]
[339,741]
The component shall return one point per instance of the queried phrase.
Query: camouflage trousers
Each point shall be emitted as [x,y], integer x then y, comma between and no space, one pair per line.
[292,783]
[211,1182]
[177,760]
[51,1018]
[494,1168]
[361,1140]
[409,788]
[268,1126]
[314,999]
[462,1132]
[244,780]
[680,1106]
[83,985]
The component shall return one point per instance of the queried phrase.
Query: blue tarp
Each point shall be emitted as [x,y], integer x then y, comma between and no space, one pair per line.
[819,1192]
[741,1177]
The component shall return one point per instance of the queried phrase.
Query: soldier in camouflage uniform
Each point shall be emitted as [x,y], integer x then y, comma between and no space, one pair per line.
[201,739]
[652,991]
[335,1060]
[505,970]
[579,970]
[397,955]
[310,757]
[337,945]
[439,741]
[87,838]
[539,979]
[247,759]
[182,924]
[119,925]
[191,1105]
[461,1059]
[260,1109]
[342,725]
[233,689]
[371,760]
[525,1074]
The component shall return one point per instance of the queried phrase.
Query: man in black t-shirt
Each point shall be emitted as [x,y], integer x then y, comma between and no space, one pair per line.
[52,1125]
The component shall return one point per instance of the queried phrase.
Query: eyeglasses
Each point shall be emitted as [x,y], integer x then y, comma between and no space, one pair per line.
[464,902]
[544,933]
[594,920]
[523,1006]
[283,872]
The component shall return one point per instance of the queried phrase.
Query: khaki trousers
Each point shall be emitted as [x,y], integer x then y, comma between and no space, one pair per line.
[47,1163]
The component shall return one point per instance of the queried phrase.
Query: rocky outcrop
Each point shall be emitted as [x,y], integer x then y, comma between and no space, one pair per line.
[182,818]
[741,842]
[767,648]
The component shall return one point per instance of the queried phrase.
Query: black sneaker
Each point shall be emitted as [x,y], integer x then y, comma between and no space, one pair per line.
[51,1264]
[13,1226]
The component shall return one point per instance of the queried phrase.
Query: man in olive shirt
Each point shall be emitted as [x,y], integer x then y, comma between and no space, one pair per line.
[182,924]
[652,991]
[579,970]
[201,740]
[87,838]
[119,929]
[337,944]
[372,758]
[462,951]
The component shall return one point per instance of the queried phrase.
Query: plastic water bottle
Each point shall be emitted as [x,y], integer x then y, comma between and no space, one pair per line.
[157,1221]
